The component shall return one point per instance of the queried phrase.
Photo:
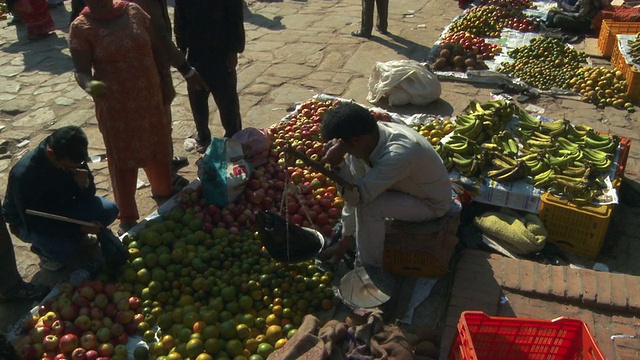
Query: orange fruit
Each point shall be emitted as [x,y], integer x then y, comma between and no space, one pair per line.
[273,333]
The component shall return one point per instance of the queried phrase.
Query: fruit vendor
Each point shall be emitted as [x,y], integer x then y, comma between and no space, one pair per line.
[54,178]
[575,18]
[396,172]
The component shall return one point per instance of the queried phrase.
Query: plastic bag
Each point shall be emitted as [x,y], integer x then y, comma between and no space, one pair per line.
[225,172]
[403,82]
[285,241]
[255,145]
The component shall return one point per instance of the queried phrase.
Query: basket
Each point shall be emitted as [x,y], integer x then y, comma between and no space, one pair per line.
[420,249]
[630,72]
[576,229]
[491,337]
[608,32]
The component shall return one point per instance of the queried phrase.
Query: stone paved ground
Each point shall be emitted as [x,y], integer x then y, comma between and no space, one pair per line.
[295,49]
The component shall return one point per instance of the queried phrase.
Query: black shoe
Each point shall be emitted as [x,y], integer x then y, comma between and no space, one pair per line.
[26,291]
[177,163]
[114,251]
[361,33]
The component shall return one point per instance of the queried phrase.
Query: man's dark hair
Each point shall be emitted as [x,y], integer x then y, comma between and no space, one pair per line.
[69,142]
[346,121]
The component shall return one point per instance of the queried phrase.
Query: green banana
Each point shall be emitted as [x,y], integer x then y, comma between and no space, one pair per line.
[505,158]
[591,134]
[517,172]
[566,144]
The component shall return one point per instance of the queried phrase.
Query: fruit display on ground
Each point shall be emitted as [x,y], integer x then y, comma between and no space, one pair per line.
[546,63]
[634,49]
[4,11]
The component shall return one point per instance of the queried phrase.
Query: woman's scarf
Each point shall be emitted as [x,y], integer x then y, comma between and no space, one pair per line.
[118,9]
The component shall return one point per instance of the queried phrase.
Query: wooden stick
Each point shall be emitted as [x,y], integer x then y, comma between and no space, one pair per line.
[58,217]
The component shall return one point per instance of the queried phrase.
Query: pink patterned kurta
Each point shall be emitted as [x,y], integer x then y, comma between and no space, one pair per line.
[131,116]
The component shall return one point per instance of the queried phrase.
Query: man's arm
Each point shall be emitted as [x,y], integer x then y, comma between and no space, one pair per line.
[235,19]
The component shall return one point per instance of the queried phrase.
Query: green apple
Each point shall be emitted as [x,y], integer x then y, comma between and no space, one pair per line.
[97,88]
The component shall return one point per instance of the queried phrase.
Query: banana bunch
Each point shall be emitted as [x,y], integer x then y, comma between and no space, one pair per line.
[493,114]
[458,144]
[470,126]
[506,143]
[506,169]
[469,166]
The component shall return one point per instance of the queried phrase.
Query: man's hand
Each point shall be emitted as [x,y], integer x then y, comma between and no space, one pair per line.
[334,152]
[95,229]
[195,82]
[81,177]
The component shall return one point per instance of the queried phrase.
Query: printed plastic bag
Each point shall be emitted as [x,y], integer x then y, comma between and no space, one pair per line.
[403,82]
[225,172]
[255,145]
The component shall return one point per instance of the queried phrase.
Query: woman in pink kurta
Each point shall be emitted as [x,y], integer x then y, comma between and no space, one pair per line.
[117,42]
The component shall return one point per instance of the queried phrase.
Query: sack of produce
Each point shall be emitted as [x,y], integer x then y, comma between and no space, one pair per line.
[519,235]
[224,172]
[403,82]
[285,241]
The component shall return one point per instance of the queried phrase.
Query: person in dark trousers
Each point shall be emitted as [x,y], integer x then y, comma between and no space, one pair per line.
[12,287]
[576,18]
[366,26]
[212,35]
[54,179]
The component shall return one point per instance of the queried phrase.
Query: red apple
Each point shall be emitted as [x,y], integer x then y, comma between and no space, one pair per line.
[117,329]
[79,354]
[61,357]
[134,303]
[27,352]
[69,312]
[88,340]
[110,310]
[58,327]
[96,325]
[91,355]
[105,349]
[68,343]
[50,342]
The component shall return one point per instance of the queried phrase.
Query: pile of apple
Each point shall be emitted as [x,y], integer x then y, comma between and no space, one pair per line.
[88,322]
[489,20]
[472,43]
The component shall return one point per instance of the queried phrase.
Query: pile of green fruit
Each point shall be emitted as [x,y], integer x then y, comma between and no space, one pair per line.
[217,295]
[545,63]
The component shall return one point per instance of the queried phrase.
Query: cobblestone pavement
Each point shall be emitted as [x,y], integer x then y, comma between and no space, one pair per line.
[295,49]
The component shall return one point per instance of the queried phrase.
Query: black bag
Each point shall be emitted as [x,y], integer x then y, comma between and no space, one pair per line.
[287,242]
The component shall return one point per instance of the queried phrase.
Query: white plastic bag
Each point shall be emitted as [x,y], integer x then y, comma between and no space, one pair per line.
[403,82]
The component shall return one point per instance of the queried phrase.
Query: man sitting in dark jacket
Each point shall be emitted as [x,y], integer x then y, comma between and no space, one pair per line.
[54,178]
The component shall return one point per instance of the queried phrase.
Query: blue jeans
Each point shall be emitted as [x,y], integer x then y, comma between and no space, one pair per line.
[65,248]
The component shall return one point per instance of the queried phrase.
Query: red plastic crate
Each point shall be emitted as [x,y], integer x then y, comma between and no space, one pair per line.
[483,337]
[625,147]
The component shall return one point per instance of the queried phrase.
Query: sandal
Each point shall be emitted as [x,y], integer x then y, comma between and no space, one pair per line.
[201,148]
[26,291]
[177,163]
[123,228]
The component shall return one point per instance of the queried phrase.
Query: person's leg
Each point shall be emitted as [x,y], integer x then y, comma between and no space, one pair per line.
[199,101]
[367,19]
[570,24]
[383,13]
[159,175]
[96,209]
[370,227]
[225,93]
[10,276]
[123,183]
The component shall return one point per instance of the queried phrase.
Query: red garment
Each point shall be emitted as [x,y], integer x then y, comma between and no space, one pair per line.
[615,13]
[131,115]
[36,16]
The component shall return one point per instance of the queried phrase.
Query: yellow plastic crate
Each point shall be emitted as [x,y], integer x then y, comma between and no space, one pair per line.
[608,32]
[630,72]
[577,229]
